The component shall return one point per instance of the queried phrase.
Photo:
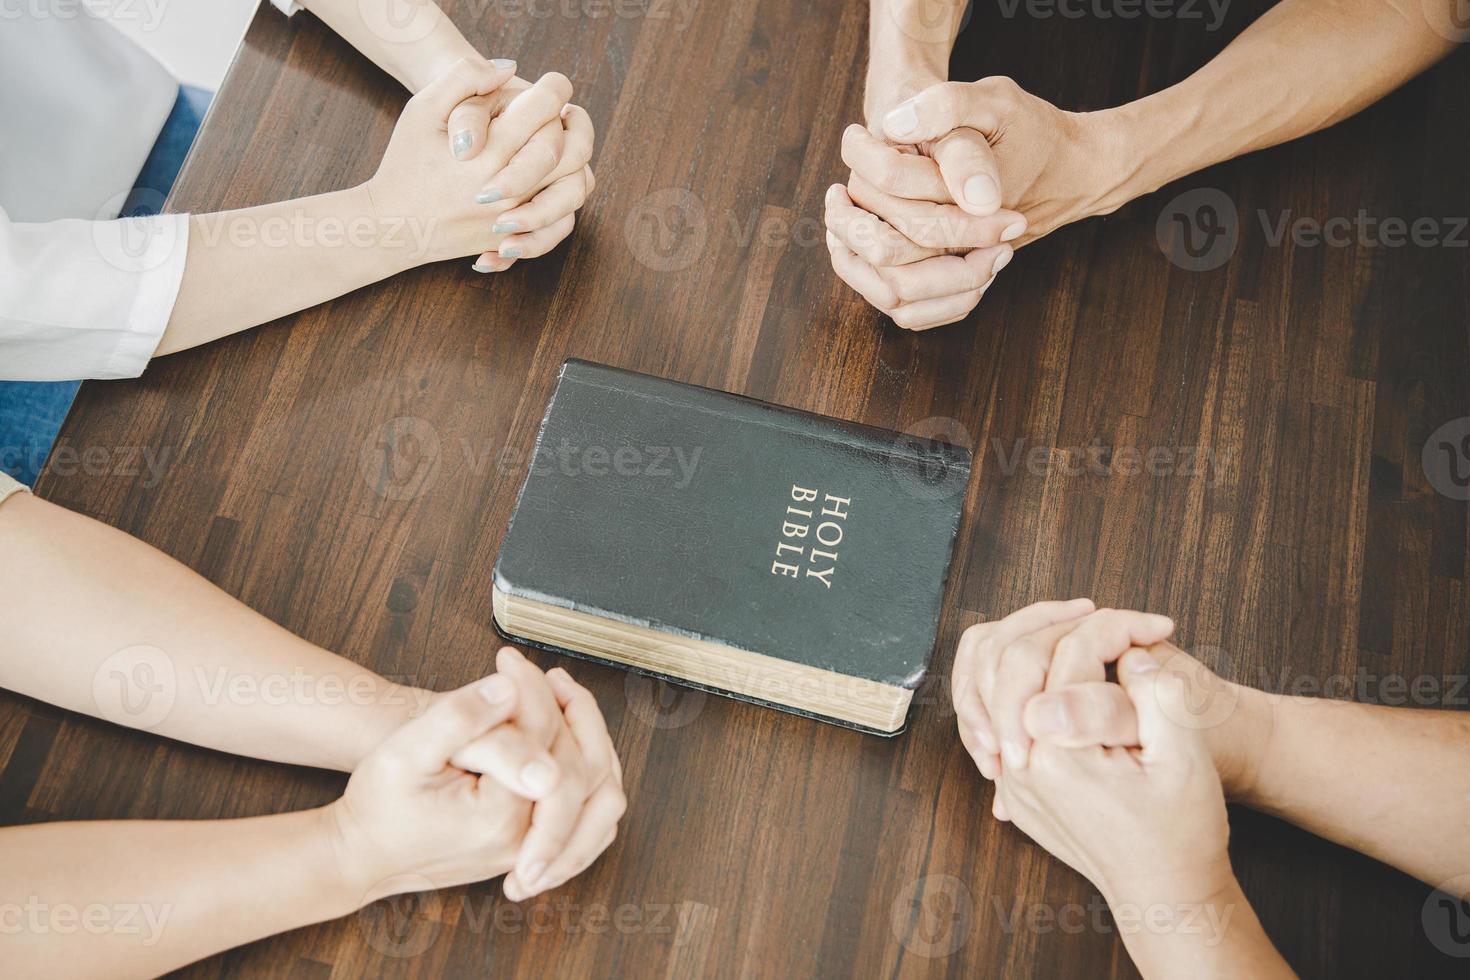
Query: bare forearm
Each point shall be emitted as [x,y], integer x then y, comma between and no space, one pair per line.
[413,42]
[139,898]
[1217,936]
[909,44]
[101,623]
[1389,782]
[1304,65]
[255,265]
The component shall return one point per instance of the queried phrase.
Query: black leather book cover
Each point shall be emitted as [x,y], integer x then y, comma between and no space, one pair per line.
[732,520]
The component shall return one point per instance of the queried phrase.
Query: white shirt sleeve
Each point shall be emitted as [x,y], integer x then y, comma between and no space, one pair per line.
[287,7]
[87,299]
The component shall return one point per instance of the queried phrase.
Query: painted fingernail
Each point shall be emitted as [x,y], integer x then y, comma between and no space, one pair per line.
[503,227]
[538,777]
[481,266]
[981,192]
[1049,716]
[1014,755]
[497,690]
[1001,261]
[533,874]
[510,253]
[489,196]
[902,120]
[986,740]
[503,62]
[462,143]
[1013,231]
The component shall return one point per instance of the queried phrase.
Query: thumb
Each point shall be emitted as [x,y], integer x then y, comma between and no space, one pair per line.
[1158,698]
[428,743]
[968,167]
[940,108]
[465,79]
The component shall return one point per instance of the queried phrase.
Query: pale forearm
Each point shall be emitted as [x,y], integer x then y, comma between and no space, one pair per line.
[139,898]
[1388,782]
[414,42]
[255,265]
[99,622]
[1304,65]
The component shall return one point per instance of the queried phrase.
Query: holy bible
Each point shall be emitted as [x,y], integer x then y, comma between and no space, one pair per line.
[732,545]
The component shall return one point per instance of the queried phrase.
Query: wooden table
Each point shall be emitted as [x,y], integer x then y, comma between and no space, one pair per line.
[1313,545]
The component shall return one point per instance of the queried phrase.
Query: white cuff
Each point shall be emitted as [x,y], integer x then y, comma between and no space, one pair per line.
[159,267]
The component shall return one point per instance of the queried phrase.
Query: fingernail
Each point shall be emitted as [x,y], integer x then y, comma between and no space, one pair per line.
[510,253]
[1049,716]
[462,143]
[533,874]
[480,266]
[1013,231]
[497,690]
[981,191]
[503,62]
[1001,261]
[1142,663]
[512,654]
[489,196]
[902,120]
[538,777]
[1014,755]
[986,740]
[1160,622]
[503,227]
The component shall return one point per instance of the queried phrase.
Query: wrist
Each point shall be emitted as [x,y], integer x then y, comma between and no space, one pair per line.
[1240,744]
[345,876]
[1148,142]
[392,706]
[420,62]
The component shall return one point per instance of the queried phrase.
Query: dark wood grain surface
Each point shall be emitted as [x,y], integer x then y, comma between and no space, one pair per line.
[1312,546]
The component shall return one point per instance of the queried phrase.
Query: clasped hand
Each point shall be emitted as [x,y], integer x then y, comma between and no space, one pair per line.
[944,186]
[489,163]
[1122,780]
[513,773]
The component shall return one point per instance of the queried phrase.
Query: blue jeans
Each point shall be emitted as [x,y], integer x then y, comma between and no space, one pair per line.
[31,412]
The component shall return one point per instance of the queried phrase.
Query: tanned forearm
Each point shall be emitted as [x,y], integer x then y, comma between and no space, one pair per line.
[1304,65]
[99,622]
[1392,783]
